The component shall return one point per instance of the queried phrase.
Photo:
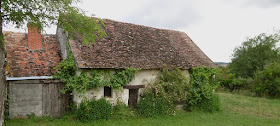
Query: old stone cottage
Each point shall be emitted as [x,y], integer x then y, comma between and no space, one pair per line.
[135,46]
[125,46]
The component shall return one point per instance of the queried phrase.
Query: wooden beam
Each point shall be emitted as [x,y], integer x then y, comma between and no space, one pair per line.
[133,86]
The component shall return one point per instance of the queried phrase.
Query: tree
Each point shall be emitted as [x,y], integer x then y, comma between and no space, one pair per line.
[267,81]
[41,13]
[254,54]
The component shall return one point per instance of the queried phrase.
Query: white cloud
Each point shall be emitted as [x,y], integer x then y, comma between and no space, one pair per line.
[258,3]
[166,14]
[216,26]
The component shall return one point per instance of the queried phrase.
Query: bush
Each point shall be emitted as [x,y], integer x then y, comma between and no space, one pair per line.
[201,91]
[230,81]
[233,83]
[94,110]
[161,96]
[212,104]
[122,111]
[151,106]
[267,81]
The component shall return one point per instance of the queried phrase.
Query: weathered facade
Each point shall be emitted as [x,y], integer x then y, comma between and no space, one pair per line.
[135,46]
[41,97]
[128,94]
[31,58]
[30,61]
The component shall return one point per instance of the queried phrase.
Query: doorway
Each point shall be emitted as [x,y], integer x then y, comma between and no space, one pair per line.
[133,97]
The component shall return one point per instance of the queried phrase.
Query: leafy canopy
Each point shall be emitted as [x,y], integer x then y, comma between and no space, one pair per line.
[254,54]
[267,81]
[41,13]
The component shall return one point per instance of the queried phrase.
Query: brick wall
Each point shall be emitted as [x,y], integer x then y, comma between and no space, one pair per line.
[34,38]
[27,59]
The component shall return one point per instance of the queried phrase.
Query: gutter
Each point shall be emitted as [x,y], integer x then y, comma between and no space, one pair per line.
[28,78]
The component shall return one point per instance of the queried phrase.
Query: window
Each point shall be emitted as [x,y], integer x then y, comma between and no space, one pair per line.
[107,91]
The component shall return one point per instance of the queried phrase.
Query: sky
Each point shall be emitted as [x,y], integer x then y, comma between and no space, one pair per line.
[216,26]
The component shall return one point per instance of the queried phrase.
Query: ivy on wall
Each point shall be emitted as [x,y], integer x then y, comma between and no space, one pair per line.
[90,78]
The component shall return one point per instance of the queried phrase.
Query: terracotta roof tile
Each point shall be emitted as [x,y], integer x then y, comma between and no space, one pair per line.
[137,46]
[25,62]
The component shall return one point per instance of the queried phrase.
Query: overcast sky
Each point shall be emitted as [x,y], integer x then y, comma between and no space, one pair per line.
[216,26]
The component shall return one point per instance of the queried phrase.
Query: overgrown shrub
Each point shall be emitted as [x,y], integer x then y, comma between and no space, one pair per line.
[212,104]
[162,95]
[94,110]
[201,91]
[229,81]
[267,81]
[151,106]
[35,118]
[232,83]
[122,111]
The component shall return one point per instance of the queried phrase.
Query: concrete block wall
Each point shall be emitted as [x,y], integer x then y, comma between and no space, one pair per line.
[41,97]
[25,98]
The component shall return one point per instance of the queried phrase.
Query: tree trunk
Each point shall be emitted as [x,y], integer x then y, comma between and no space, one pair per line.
[2,80]
[2,72]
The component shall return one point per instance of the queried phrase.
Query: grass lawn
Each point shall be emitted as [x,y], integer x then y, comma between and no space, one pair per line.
[238,110]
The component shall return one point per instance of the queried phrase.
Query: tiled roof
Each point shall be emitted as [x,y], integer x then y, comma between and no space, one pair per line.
[137,46]
[23,61]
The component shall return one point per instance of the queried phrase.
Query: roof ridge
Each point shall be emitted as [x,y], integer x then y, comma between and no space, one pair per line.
[165,29]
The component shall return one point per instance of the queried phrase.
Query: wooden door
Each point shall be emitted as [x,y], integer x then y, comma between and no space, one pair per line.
[133,97]
[54,102]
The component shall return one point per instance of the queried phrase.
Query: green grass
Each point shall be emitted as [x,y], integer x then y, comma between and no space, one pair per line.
[238,110]
[253,106]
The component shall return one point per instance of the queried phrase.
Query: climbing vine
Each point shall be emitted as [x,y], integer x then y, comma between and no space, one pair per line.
[88,78]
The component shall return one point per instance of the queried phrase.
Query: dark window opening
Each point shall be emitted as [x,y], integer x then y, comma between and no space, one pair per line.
[107,92]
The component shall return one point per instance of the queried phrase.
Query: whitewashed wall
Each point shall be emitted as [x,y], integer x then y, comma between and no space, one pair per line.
[142,77]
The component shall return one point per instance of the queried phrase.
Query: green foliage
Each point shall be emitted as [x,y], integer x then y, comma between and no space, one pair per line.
[89,79]
[161,96]
[6,112]
[31,116]
[201,91]
[81,24]
[122,111]
[152,106]
[40,13]
[229,81]
[254,54]
[239,110]
[171,84]
[267,81]
[35,118]
[94,110]
[212,104]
